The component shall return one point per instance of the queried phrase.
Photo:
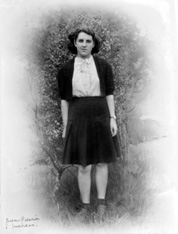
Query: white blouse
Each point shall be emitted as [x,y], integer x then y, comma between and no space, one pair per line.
[85,80]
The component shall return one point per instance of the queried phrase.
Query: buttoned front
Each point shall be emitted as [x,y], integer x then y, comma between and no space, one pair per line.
[85,81]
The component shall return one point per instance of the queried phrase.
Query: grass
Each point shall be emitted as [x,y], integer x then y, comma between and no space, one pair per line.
[127,194]
[139,196]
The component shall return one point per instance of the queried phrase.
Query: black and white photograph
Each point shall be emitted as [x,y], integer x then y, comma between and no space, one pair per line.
[88,114]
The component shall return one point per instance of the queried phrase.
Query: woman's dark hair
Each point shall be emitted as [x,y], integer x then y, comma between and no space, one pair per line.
[74,35]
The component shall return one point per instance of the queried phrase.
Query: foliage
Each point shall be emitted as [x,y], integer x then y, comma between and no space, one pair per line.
[122,46]
[128,193]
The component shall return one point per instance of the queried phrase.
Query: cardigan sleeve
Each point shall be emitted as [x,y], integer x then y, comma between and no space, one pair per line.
[109,80]
[62,84]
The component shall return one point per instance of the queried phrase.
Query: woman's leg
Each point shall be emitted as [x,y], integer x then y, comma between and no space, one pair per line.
[101,185]
[84,182]
[101,179]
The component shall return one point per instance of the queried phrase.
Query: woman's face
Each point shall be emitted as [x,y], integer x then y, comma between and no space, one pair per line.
[84,45]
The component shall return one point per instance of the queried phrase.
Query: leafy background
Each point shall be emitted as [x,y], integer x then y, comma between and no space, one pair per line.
[128,51]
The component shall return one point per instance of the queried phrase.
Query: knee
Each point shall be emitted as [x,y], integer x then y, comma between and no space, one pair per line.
[101,165]
[101,168]
[84,170]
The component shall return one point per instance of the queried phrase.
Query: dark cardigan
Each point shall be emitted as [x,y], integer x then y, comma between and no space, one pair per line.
[105,74]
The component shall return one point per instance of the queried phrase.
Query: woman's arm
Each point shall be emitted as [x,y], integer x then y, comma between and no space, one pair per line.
[64,110]
[110,101]
[113,125]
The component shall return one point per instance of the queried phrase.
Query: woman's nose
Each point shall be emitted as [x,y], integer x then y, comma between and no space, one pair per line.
[84,43]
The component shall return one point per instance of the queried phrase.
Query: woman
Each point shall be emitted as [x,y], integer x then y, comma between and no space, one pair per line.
[87,104]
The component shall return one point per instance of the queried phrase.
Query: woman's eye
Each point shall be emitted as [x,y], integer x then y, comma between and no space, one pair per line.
[87,41]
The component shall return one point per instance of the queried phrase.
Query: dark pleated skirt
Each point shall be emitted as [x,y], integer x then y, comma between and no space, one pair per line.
[88,137]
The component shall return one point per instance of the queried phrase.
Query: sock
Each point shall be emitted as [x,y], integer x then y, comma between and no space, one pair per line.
[101,201]
[86,206]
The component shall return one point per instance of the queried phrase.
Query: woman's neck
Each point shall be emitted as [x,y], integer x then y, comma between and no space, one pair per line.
[84,57]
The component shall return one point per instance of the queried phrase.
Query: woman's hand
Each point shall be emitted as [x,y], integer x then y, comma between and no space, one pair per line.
[113,126]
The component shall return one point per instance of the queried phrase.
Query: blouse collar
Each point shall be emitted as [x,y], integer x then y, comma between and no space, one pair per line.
[81,60]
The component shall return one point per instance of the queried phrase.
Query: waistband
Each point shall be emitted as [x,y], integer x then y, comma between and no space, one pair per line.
[89,98]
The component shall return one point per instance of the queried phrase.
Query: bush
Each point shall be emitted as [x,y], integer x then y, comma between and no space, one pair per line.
[125,49]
